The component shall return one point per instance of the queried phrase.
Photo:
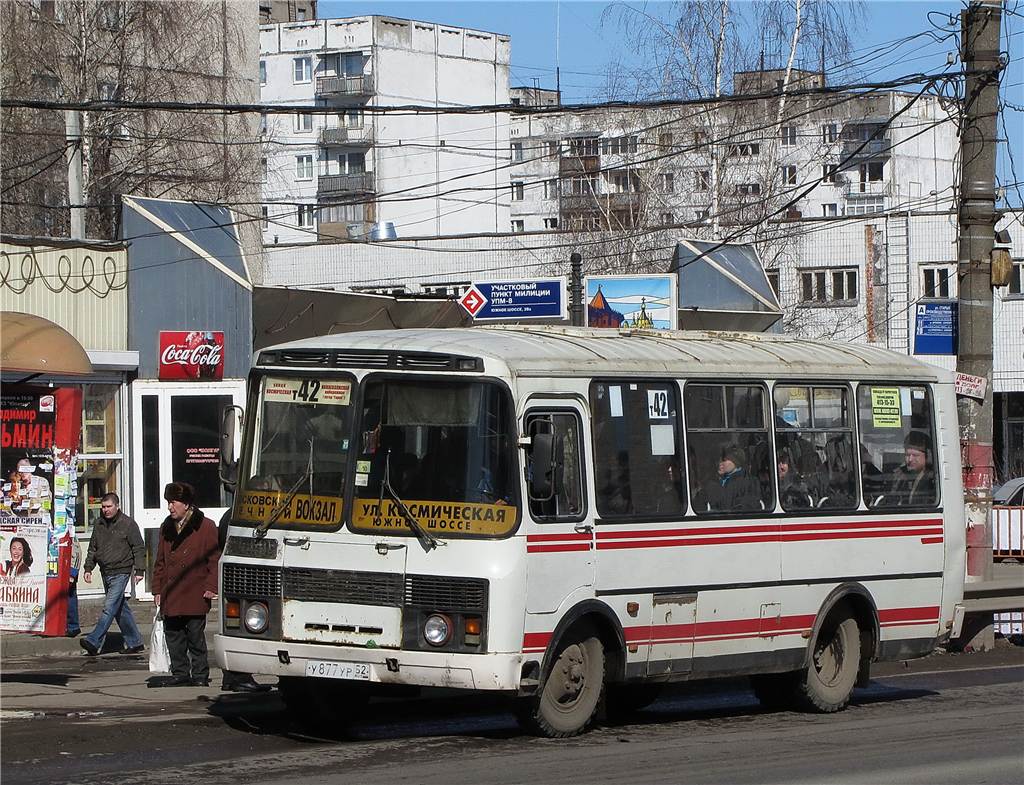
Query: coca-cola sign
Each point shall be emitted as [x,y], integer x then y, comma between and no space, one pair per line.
[196,356]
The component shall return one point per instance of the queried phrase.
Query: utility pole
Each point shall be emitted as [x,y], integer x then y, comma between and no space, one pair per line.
[73,135]
[980,23]
[576,290]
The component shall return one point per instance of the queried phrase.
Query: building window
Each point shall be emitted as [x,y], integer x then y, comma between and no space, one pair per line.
[307,215]
[668,183]
[550,223]
[938,282]
[351,118]
[625,182]
[745,150]
[517,192]
[263,72]
[303,122]
[619,145]
[516,101]
[789,175]
[748,189]
[263,123]
[303,167]
[265,212]
[788,135]
[837,286]
[580,186]
[263,169]
[517,151]
[702,180]
[302,70]
[873,204]
[667,219]
[351,163]
[101,457]
[830,172]
[773,281]
[518,226]
[829,133]
[830,210]
[702,215]
[300,14]
[552,148]
[700,138]
[111,15]
[1016,288]
[665,141]
[872,172]
[551,189]
[585,146]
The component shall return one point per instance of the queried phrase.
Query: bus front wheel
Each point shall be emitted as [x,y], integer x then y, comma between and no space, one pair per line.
[827,684]
[568,702]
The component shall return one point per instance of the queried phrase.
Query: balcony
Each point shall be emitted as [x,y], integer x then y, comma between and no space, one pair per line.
[342,86]
[570,164]
[601,203]
[857,189]
[347,135]
[345,184]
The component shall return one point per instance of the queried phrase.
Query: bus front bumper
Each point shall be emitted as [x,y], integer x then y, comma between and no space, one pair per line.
[386,666]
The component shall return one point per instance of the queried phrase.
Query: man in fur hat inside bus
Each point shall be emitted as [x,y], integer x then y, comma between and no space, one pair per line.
[914,481]
[184,583]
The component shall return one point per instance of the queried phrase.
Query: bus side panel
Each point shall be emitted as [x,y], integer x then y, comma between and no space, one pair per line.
[952,490]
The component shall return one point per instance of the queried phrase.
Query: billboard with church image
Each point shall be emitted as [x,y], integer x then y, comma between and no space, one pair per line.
[638,302]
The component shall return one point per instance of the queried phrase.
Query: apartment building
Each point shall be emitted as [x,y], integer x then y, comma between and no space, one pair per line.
[730,164]
[341,171]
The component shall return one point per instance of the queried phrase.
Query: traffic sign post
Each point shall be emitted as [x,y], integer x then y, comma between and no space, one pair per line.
[532,298]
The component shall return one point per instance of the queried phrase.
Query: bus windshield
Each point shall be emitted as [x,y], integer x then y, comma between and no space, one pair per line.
[301,439]
[446,448]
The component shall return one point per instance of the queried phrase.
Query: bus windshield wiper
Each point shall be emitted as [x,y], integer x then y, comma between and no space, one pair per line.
[427,540]
[285,503]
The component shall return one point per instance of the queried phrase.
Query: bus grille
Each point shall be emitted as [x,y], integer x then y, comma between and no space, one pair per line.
[357,358]
[358,588]
[248,580]
[454,594]
[251,548]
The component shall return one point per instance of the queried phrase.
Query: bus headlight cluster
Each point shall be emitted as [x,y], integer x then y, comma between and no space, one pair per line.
[257,617]
[437,629]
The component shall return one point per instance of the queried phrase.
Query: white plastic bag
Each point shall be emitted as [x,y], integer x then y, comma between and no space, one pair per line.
[159,656]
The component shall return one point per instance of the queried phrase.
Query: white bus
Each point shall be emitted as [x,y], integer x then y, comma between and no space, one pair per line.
[574,517]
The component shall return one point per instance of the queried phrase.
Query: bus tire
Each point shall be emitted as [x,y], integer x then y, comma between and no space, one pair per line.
[572,692]
[827,683]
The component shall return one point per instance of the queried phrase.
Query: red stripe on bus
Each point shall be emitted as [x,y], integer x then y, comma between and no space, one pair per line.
[751,529]
[930,540]
[838,535]
[558,548]
[555,537]
[929,613]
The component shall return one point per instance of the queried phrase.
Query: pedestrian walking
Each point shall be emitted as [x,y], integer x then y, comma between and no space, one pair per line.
[117,547]
[184,583]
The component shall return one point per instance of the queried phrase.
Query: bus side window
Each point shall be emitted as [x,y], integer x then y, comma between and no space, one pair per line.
[566,502]
[815,460]
[728,447]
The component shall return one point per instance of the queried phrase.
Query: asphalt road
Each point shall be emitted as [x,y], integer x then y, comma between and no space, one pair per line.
[949,719]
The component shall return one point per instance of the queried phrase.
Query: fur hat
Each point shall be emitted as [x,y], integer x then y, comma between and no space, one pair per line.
[735,454]
[917,440]
[179,492]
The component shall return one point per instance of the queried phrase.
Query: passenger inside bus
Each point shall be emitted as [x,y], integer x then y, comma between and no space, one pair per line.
[793,491]
[913,483]
[735,490]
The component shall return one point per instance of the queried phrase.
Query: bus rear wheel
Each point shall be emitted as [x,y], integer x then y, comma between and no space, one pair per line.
[568,702]
[827,684]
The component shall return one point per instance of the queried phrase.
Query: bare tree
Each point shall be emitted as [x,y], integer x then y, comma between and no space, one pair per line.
[193,51]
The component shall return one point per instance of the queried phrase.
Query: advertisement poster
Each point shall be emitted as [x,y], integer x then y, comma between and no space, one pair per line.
[23,571]
[638,302]
[196,355]
[27,426]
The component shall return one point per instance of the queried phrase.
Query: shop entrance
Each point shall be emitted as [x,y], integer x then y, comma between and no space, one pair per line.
[176,436]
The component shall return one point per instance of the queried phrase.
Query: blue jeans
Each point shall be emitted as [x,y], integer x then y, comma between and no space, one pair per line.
[73,625]
[115,606]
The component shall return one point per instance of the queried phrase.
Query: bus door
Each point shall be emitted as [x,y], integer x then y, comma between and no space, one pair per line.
[560,527]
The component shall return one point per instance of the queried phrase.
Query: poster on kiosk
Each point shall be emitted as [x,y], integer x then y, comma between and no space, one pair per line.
[39,433]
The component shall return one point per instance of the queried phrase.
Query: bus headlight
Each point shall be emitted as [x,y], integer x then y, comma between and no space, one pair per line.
[257,617]
[437,629]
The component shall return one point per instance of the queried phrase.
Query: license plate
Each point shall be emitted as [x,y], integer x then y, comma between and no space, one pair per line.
[324,669]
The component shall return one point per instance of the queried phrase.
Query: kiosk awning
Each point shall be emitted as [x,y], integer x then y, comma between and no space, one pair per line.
[34,345]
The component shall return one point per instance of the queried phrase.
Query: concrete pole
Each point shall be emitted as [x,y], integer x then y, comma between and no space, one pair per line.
[576,290]
[73,134]
[980,23]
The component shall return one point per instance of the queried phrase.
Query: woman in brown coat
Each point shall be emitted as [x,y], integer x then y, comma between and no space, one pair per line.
[184,583]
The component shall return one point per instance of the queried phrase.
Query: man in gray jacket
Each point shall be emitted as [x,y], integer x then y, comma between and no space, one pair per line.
[117,547]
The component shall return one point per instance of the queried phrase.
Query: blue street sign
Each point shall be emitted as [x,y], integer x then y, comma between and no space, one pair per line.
[936,328]
[525,299]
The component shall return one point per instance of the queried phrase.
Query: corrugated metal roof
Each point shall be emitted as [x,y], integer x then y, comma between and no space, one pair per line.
[561,351]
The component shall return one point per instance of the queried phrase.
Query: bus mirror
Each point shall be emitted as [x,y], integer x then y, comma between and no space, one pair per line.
[543,462]
[231,419]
